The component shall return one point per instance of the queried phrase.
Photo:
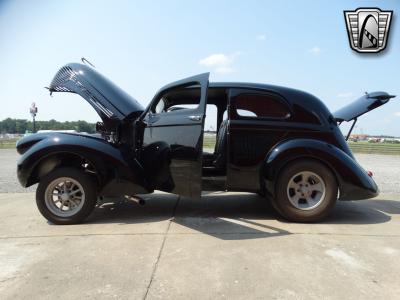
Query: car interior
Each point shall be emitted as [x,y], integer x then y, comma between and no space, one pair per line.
[214,157]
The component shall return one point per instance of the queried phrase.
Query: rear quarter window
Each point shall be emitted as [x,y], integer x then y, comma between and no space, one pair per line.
[260,105]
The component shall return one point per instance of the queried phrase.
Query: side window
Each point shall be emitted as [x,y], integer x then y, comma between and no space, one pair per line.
[177,99]
[245,113]
[261,105]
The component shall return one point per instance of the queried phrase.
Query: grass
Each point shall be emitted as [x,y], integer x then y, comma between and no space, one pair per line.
[375,148]
[356,147]
[7,143]
[209,143]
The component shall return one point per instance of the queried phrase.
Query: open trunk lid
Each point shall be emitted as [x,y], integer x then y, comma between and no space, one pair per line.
[362,105]
[109,101]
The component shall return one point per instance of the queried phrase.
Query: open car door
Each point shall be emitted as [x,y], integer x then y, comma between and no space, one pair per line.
[173,136]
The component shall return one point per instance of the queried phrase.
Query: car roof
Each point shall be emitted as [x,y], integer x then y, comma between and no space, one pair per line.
[250,85]
[291,94]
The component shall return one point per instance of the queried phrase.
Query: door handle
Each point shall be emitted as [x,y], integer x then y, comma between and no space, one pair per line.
[195,118]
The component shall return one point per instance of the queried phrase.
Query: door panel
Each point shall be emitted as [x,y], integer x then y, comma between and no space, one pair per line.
[181,133]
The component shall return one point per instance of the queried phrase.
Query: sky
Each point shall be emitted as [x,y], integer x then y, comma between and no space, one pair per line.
[144,45]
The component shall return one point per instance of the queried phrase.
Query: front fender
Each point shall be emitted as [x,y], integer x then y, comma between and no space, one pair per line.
[354,182]
[102,155]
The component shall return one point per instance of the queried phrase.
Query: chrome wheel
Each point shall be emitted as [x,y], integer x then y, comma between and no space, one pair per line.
[306,190]
[64,197]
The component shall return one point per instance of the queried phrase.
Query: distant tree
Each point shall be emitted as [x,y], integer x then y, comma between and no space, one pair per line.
[83,126]
[9,126]
[21,126]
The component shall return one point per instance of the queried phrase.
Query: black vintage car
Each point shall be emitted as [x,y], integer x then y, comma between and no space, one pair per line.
[279,142]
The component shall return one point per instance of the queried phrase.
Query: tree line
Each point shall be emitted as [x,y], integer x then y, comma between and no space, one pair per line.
[22,125]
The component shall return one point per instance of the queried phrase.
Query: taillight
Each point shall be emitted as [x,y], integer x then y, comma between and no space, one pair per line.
[370,174]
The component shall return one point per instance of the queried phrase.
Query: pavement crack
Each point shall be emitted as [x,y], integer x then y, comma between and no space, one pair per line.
[153,273]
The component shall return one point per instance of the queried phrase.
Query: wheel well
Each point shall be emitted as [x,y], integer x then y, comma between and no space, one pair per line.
[63,159]
[294,159]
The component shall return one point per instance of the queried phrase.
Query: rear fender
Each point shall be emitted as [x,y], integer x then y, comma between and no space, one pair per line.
[353,181]
[48,152]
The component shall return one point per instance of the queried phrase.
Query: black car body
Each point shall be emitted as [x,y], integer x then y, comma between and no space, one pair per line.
[263,132]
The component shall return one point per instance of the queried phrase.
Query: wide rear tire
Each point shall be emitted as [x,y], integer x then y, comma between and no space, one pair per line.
[306,191]
[66,196]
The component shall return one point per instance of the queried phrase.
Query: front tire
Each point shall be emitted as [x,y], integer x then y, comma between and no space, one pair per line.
[306,191]
[66,196]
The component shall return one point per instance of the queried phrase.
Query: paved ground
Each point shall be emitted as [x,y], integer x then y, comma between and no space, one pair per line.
[228,245]
[8,173]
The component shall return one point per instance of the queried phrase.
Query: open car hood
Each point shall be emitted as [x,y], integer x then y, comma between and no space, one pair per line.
[110,102]
[362,105]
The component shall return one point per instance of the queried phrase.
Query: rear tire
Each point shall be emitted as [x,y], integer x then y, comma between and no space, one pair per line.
[306,191]
[66,196]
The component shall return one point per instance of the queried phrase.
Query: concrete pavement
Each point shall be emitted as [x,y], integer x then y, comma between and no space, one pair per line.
[227,245]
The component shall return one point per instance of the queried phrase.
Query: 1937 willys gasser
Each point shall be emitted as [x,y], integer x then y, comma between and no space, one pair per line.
[276,141]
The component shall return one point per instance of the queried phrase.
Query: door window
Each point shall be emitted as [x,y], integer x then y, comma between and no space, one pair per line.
[177,100]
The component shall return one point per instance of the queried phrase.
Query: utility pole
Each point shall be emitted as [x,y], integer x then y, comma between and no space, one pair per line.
[33,110]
